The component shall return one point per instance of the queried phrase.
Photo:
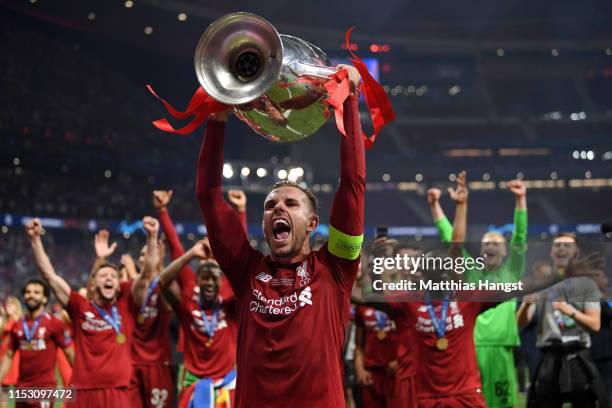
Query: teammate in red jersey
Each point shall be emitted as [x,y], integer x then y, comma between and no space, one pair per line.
[10,315]
[152,383]
[38,335]
[102,327]
[161,200]
[442,325]
[292,305]
[209,326]
[375,356]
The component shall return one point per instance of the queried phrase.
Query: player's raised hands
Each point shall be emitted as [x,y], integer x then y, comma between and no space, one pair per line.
[151,225]
[34,228]
[202,250]
[459,194]
[103,250]
[161,199]
[238,199]
[433,195]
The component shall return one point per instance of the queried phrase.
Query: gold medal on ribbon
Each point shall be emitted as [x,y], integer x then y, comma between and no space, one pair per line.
[120,338]
[28,347]
[140,319]
[208,343]
[442,343]
[381,334]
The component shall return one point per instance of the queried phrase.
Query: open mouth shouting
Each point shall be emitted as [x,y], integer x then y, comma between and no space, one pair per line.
[108,289]
[281,230]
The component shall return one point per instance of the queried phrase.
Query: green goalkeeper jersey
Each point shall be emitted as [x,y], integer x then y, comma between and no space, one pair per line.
[497,326]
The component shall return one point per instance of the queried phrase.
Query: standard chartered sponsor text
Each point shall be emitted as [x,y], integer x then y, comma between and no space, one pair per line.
[280,306]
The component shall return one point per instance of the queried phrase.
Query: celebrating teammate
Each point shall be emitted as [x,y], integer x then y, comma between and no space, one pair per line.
[292,305]
[496,332]
[102,328]
[209,326]
[376,357]
[152,383]
[37,336]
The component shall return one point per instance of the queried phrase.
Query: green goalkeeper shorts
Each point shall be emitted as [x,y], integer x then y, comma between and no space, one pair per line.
[498,375]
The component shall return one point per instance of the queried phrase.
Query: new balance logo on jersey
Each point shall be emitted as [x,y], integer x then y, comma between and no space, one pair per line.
[264,277]
[305,297]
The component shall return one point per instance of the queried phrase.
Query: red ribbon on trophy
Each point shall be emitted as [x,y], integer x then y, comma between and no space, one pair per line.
[375,96]
[379,106]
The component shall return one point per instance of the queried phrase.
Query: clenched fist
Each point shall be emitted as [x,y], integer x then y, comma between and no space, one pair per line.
[161,198]
[34,228]
[238,199]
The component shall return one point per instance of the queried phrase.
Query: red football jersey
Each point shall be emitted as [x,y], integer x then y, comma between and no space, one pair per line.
[151,342]
[204,356]
[449,372]
[38,357]
[100,361]
[381,341]
[292,318]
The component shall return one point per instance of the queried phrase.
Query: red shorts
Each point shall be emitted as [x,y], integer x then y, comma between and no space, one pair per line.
[473,400]
[101,398]
[404,395]
[152,386]
[382,388]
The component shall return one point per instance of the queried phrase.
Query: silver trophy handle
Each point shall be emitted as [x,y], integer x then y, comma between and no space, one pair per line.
[303,68]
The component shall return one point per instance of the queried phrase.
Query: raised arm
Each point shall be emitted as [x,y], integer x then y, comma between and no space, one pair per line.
[5,363]
[127,262]
[151,261]
[58,285]
[346,219]
[228,240]
[161,200]
[460,197]
[201,250]
[238,199]
[518,243]
[445,229]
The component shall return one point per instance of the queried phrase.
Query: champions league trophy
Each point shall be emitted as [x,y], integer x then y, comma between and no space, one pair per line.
[275,82]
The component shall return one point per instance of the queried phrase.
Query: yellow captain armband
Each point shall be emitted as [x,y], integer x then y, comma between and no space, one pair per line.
[344,246]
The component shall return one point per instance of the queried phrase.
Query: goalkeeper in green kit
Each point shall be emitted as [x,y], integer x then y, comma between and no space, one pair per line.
[496,332]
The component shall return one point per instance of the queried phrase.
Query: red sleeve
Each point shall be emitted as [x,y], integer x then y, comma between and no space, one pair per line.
[126,291]
[13,341]
[347,208]
[243,221]
[59,334]
[186,276]
[74,304]
[226,234]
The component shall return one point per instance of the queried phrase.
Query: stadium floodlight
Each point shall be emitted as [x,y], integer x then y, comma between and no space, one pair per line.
[228,171]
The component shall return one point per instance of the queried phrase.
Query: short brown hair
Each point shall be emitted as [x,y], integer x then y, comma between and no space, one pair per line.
[305,190]
[567,234]
[105,265]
